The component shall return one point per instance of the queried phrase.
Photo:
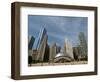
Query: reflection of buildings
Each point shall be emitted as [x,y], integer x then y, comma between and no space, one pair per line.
[66,53]
[61,58]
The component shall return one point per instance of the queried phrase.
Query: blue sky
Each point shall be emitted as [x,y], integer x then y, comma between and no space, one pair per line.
[58,28]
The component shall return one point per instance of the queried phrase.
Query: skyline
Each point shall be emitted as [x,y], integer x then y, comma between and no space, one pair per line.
[58,28]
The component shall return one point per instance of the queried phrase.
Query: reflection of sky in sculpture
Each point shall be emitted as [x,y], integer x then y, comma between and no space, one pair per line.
[58,28]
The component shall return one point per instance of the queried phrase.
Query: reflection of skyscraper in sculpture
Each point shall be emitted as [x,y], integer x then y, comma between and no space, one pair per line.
[40,44]
[53,52]
[68,50]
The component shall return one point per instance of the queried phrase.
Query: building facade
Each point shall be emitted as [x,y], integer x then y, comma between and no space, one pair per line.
[42,48]
[68,49]
[31,40]
[40,45]
[39,39]
[53,51]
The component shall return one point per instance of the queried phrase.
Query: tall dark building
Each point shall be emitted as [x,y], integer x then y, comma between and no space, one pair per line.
[46,54]
[58,49]
[30,42]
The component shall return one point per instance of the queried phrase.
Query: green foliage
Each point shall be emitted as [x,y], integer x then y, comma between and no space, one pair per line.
[30,60]
[83,44]
[85,58]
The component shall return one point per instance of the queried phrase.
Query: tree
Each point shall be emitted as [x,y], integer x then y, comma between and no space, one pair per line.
[30,60]
[83,45]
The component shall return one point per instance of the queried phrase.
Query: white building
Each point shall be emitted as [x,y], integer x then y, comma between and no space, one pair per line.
[67,49]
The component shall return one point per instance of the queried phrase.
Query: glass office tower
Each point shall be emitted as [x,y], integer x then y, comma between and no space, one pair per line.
[39,39]
[40,45]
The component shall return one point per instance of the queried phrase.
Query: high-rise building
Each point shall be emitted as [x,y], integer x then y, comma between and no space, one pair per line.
[53,51]
[40,45]
[39,39]
[58,49]
[47,53]
[34,54]
[42,48]
[68,50]
[31,40]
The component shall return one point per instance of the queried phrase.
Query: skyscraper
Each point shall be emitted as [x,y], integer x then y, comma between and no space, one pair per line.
[31,40]
[40,44]
[42,48]
[39,39]
[68,50]
[53,51]
[47,53]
